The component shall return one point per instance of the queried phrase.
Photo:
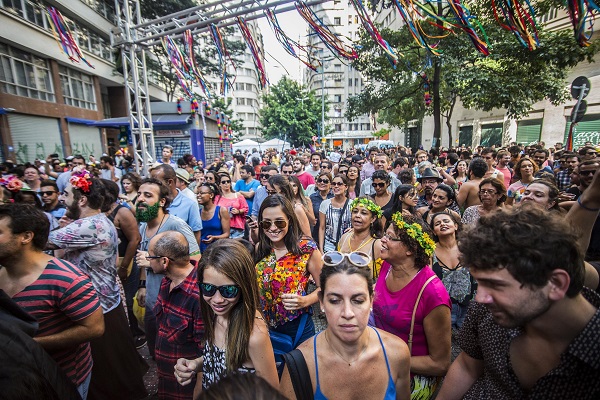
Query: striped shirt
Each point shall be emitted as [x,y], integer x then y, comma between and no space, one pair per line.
[61,296]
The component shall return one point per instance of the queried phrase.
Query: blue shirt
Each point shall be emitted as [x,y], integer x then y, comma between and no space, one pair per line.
[260,195]
[186,209]
[241,185]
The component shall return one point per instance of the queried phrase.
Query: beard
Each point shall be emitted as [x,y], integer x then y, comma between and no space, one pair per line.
[73,211]
[148,213]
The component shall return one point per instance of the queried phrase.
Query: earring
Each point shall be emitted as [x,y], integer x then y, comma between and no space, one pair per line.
[322,310]
[371,309]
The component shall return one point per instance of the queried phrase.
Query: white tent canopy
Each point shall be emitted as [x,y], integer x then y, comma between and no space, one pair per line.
[246,144]
[276,144]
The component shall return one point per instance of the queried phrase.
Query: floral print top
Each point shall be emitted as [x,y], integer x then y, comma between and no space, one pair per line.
[276,277]
[91,244]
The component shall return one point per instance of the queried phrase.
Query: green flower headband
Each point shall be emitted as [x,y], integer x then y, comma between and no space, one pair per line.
[415,231]
[368,204]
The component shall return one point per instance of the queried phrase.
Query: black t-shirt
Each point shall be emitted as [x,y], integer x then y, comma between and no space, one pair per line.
[593,250]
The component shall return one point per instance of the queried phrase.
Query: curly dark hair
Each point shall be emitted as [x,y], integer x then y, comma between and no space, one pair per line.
[421,259]
[497,241]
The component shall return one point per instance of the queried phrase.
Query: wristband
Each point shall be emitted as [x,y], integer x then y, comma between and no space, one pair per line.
[586,208]
[142,284]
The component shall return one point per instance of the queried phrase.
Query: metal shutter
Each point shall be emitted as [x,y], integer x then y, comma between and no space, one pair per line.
[588,130]
[34,137]
[465,136]
[529,132]
[491,134]
[85,140]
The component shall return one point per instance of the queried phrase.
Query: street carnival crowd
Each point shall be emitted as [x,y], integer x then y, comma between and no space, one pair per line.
[458,273]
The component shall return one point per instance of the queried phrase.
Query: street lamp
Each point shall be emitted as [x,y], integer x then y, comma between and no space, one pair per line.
[321,53]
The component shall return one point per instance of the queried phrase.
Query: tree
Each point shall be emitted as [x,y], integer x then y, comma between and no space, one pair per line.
[291,111]
[381,133]
[512,77]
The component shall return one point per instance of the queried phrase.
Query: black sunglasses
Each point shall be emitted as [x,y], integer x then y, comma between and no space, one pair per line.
[279,223]
[227,291]
[585,173]
[325,181]
[48,193]
[148,258]
[337,183]
[222,182]
[325,166]
[381,185]
[343,171]
[265,176]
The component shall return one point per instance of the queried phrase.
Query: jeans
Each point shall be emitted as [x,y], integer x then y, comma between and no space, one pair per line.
[235,233]
[84,387]
[458,315]
[131,287]
[151,330]
[291,328]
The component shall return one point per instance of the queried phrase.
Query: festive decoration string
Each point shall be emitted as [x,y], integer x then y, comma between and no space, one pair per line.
[262,75]
[220,118]
[582,14]
[64,36]
[177,62]
[191,62]
[519,20]
[194,106]
[179,105]
[411,17]
[374,32]
[207,108]
[292,47]
[224,56]
[329,38]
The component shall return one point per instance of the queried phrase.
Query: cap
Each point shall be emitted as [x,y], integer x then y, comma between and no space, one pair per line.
[69,158]
[183,175]
[430,173]
[356,158]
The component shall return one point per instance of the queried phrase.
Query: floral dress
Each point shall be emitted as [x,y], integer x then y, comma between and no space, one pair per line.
[276,277]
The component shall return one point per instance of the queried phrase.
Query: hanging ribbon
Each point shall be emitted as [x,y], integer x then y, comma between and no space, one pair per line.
[374,32]
[262,75]
[582,14]
[64,37]
[224,57]
[519,20]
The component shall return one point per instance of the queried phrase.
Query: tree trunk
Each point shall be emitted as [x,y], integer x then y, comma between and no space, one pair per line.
[448,120]
[437,109]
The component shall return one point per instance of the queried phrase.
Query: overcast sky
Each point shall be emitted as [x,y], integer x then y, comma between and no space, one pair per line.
[277,59]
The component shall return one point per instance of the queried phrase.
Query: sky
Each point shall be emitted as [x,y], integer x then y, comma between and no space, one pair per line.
[278,61]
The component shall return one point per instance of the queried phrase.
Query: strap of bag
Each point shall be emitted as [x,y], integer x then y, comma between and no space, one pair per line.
[299,375]
[339,227]
[300,331]
[412,320]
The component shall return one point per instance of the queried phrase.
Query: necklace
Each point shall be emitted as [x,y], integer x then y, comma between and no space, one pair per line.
[363,243]
[157,229]
[340,356]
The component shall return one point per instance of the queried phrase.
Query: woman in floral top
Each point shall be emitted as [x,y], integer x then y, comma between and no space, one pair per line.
[285,260]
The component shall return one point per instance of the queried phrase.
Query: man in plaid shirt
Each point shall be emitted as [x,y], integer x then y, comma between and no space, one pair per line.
[563,177]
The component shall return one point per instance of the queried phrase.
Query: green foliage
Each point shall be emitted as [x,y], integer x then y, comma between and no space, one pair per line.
[381,133]
[237,124]
[510,78]
[291,111]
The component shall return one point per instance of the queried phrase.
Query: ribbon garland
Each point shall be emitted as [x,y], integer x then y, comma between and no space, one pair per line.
[188,41]
[292,47]
[64,37]
[224,56]
[329,38]
[262,75]
[374,32]
[519,20]
[463,21]
[582,14]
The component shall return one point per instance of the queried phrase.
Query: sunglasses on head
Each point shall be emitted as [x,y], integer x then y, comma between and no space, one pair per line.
[380,185]
[267,223]
[357,258]
[325,181]
[227,291]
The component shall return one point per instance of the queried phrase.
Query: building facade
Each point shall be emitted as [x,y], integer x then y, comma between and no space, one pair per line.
[47,102]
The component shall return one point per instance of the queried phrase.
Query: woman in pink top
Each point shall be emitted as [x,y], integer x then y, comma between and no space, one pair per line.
[235,203]
[406,249]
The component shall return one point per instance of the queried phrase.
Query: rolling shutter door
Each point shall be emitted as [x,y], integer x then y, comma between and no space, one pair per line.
[491,134]
[588,130]
[34,137]
[465,136]
[529,132]
[85,140]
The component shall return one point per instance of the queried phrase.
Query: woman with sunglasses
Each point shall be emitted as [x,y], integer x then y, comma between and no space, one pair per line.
[236,206]
[349,359]
[492,193]
[334,215]
[409,294]
[354,182]
[215,219]
[279,184]
[366,232]
[300,199]
[212,177]
[322,192]
[285,261]
[381,184]
[237,337]
[443,197]
[524,173]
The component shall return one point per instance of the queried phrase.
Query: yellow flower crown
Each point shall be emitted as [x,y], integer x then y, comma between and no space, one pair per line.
[415,231]
[368,204]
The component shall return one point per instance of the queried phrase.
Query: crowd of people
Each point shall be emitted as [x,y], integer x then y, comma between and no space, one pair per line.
[458,273]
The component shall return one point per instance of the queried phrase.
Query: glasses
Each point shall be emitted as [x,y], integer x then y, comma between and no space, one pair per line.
[227,291]
[357,258]
[378,185]
[325,181]
[271,192]
[487,191]
[337,183]
[394,239]
[343,171]
[591,153]
[210,178]
[149,258]
[225,182]
[48,193]
[203,193]
[586,173]
[360,163]
[287,172]
[267,223]
[325,166]
[265,176]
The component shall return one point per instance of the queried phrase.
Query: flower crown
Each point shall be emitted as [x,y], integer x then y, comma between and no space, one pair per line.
[368,204]
[81,180]
[415,231]
[12,183]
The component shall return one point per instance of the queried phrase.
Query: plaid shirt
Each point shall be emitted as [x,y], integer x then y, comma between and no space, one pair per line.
[180,333]
[563,179]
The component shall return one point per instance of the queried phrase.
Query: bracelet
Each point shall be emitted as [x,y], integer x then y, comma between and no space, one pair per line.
[142,284]
[586,208]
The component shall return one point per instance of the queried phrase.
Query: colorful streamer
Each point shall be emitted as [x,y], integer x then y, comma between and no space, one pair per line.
[224,56]
[191,62]
[374,32]
[582,14]
[258,63]
[64,36]
[519,20]
[292,47]
[329,38]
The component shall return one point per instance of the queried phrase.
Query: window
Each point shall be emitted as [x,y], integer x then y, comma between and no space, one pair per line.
[349,19]
[355,81]
[337,67]
[349,81]
[24,74]
[338,127]
[337,21]
[337,98]
[78,88]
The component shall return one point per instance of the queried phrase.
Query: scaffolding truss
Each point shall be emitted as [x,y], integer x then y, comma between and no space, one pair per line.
[134,36]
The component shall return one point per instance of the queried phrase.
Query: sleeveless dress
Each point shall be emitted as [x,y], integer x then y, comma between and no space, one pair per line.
[390,392]
[211,227]
[214,367]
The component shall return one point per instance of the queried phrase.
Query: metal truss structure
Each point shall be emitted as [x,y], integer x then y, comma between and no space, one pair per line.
[134,36]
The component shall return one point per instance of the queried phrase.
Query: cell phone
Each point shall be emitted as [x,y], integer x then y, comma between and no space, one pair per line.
[54,155]
[249,218]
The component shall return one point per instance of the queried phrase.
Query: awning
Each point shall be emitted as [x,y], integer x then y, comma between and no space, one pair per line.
[157,120]
[80,121]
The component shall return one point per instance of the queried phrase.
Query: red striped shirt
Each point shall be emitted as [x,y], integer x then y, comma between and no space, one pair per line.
[60,296]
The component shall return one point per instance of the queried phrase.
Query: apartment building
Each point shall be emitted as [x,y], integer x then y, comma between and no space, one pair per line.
[47,102]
